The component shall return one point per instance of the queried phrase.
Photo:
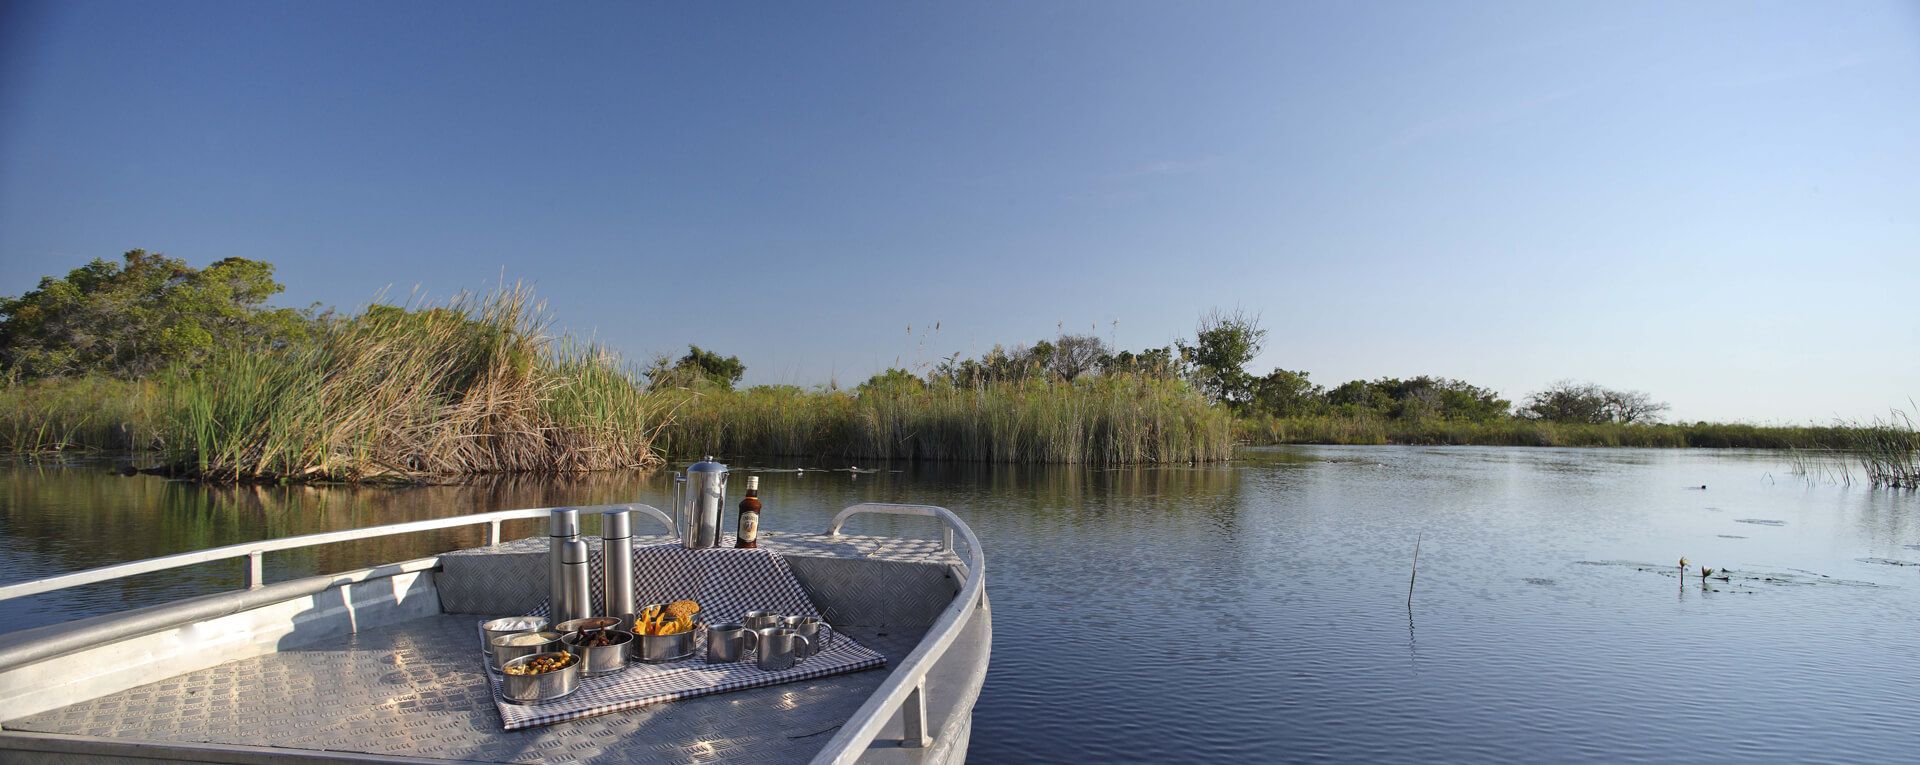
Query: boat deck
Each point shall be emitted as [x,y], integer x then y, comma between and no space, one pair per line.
[418,690]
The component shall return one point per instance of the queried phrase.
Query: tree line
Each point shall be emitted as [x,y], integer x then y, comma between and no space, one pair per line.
[150,312]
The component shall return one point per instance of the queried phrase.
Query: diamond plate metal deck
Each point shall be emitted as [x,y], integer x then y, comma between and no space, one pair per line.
[416,690]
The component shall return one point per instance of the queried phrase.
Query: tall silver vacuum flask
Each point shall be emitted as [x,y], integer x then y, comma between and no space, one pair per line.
[577,602]
[563,526]
[699,497]
[616,555]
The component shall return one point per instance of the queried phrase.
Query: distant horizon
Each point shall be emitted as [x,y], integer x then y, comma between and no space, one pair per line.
[1711,203]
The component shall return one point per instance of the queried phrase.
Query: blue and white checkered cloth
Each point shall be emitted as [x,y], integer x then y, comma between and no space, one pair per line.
[727,582]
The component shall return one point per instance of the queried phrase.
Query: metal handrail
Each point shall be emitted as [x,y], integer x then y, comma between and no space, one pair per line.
[254,550]
[906,687]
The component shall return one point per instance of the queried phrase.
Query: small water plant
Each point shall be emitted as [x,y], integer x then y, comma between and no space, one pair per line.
[1889,451]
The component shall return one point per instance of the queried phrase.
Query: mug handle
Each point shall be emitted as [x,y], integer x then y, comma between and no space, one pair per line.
[750,643]
[798,653]
[825,636]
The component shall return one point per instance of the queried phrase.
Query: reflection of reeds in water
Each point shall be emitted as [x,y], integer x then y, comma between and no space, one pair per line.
[149,517]
[1114,419]
[475,387]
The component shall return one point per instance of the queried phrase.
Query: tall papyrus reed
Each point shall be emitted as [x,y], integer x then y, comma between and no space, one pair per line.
[1103,420]
[476,386]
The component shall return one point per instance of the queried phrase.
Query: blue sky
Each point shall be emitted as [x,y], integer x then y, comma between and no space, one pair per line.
[1716,202]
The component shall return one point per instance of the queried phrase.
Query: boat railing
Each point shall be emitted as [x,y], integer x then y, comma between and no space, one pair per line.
[905,690]
[255,552]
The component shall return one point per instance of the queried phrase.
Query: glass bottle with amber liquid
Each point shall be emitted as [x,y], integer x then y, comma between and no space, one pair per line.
[748,534]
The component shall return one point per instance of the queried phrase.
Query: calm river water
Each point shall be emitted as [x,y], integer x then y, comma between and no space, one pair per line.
[1258,611]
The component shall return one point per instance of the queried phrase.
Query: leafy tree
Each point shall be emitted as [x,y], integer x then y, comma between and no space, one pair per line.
[999,365]
[1075,355]
[1359,397]
[135,317]
[1222,346]
[1284,393]
[1417,398]
[699,367]
[1571,401]
[894,380]
[1163,363]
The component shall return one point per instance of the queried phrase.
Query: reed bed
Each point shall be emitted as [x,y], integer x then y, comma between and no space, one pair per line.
[1106,420]
[473,387]
[1515,431]
[83,414]
[1889,451]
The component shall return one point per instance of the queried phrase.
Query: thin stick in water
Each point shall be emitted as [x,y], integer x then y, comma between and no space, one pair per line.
[1416,567]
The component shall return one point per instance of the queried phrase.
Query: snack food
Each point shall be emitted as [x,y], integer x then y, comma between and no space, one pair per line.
[542,665]
[595,639]
[673,619]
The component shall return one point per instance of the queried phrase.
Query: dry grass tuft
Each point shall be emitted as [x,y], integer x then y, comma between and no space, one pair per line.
[476,386]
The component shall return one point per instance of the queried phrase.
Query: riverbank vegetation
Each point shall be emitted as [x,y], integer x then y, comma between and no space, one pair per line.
[1517,431]
[192,367]
[476,386]
[1105,419]
[397,392]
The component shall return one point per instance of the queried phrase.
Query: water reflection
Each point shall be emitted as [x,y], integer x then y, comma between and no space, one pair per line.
[66,517]
[1258,611]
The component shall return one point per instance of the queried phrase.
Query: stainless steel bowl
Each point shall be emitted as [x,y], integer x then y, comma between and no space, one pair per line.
[504,651]
[657,649]
[601,659]
[507,626]
[546,686]
[590,623]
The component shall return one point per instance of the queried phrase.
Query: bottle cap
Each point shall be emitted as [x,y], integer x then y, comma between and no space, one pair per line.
[616,525]
[564,522]
[573,552]
[753,482]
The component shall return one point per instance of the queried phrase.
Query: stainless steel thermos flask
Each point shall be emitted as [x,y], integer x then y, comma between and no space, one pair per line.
[616,554]
[563,526]
[577,595]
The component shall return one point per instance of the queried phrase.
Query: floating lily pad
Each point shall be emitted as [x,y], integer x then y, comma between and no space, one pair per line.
[1736,579]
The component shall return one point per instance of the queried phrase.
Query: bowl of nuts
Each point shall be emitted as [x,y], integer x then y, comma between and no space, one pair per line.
[540,677]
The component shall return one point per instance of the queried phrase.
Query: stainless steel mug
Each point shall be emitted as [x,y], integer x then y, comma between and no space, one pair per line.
[759,620]
[811,628]
[727,643]
[777,648]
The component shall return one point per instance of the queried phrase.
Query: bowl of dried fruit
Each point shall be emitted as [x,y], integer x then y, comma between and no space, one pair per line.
[603,651]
